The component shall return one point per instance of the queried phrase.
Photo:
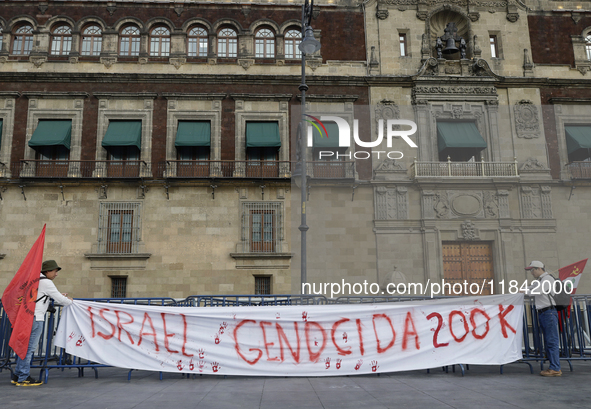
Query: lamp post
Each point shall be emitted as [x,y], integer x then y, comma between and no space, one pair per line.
[309,45]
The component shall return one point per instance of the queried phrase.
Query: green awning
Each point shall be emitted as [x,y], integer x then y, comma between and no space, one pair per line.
[193,133]
[332,141]
[577,137]
[262,135]
[123,133]
[454,135]
[52,133]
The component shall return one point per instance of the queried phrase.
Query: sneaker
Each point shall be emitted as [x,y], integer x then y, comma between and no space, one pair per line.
[14,379]
[29,382]
[551,372]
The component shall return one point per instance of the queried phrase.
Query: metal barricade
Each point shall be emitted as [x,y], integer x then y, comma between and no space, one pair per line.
[252,300]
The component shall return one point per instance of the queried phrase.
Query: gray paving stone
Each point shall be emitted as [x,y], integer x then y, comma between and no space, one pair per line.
[481,387]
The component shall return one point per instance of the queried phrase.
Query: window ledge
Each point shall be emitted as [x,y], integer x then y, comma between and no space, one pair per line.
[115,256]
[242,256]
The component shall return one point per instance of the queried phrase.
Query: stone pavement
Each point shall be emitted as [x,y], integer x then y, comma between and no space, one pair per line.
[481,387]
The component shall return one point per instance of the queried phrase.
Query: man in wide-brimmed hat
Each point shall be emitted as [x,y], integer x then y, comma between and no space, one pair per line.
[45,293]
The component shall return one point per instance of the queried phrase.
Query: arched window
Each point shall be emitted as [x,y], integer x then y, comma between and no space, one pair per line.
[264,44]
[61,40]
[197,42]
[588,46]
[91,41]
[227,43]
[293,38]
[23,40]
[160,42]
[129,41]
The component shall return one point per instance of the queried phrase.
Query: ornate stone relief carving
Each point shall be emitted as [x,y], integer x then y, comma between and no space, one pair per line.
[37,60]
[382,14]
[454,204]
[108,61]
[469,231]
[178,62]
[533,165]
[391,203]
[246,64]
[390,165]
[527,122]
[536,202]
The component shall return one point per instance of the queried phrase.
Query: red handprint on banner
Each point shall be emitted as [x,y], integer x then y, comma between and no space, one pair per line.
[359,363]
[179,365]
[374,366]
[201,353]
[327,362]
[201,365]
[80,341]
[191,365]
[223,327]
[305,316]
[72,335]
[339,363]
[217,338]
[215,366]
[277,316]
[345,337]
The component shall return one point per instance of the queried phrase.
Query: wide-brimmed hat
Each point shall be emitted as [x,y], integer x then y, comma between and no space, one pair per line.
[535,264]
[49,265]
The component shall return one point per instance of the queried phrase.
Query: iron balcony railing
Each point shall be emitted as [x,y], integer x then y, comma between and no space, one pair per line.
[224,169]
[188,169]
[580,170]
[331,169]
[115,169]
[464,169]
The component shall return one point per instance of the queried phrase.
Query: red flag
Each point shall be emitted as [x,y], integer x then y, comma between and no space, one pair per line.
[571,274]
[19,297]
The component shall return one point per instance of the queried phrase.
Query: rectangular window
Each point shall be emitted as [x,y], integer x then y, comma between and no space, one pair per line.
[494,47]
[403,47]
[119,228]
[118,287]
[262,285]
[262,226]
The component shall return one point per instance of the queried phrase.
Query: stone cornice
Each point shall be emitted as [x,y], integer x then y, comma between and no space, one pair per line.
[292,80]
[125,95]
[203,96]
[9,94]
[55,95]
[261,97]
[329,98]
[566,100]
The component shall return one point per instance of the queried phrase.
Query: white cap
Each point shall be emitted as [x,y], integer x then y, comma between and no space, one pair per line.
[535,264]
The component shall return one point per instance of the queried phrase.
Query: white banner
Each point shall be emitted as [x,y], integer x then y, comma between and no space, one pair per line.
[311,340]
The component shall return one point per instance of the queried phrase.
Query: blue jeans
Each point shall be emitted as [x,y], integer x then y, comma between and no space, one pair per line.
[549,325]
[23,366]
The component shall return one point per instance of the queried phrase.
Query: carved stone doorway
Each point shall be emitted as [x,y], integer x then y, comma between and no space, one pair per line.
[468,261]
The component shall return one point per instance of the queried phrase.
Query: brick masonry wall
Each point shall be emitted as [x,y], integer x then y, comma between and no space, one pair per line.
[550,38]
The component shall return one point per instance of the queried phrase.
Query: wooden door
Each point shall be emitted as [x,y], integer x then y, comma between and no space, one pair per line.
[468,261]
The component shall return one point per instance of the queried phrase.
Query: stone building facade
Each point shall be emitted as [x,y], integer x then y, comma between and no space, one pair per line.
[163,217]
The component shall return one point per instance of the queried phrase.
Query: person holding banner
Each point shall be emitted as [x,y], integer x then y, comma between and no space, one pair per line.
[547,314]
[46,291]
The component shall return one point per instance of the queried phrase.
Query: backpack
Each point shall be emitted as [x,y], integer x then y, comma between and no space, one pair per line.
[562,298]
